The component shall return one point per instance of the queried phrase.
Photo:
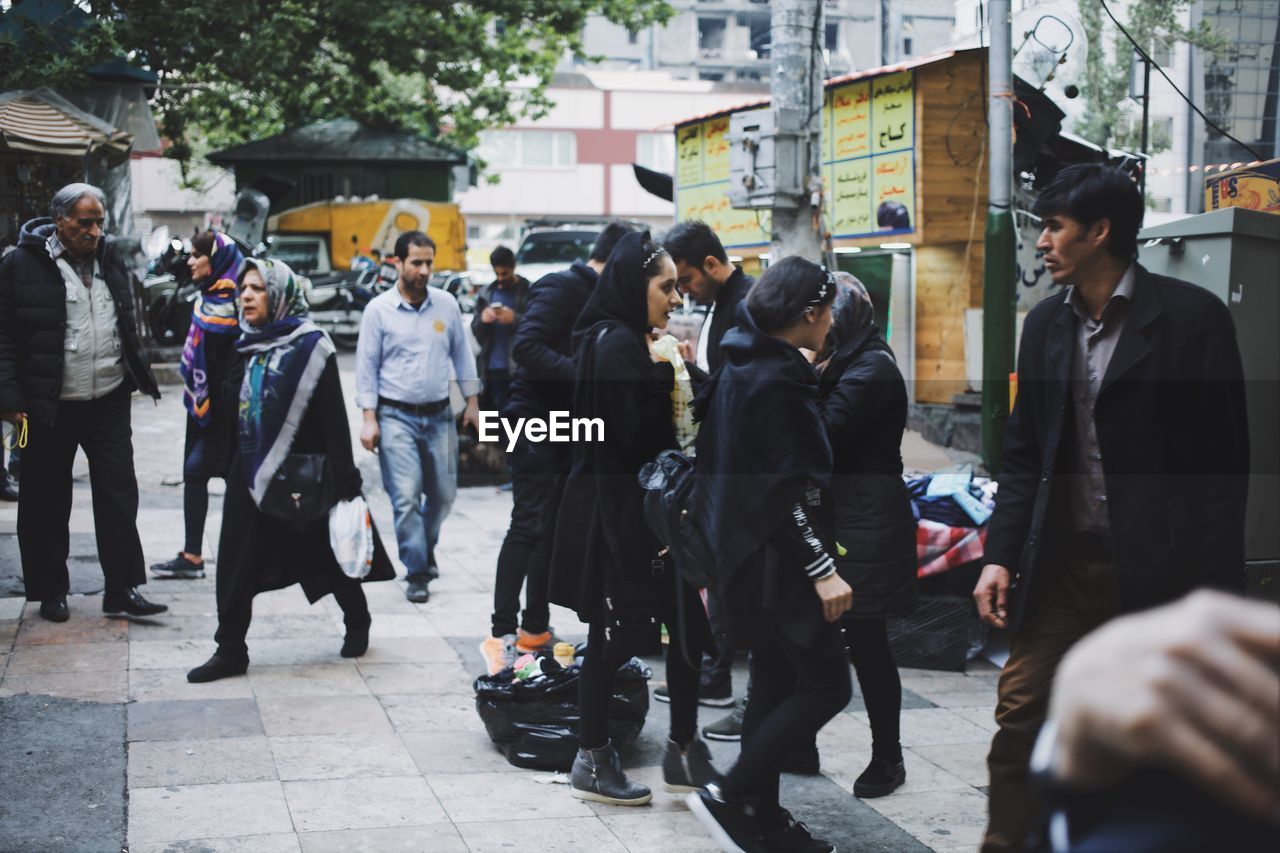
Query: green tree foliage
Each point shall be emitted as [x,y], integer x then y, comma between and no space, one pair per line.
[243,69]
[1154,24]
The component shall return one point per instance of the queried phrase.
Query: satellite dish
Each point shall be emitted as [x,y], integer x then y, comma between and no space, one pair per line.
[1052,50]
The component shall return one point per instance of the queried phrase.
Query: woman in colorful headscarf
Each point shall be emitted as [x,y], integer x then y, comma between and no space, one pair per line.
[290,402]
[214,263]
[864,402]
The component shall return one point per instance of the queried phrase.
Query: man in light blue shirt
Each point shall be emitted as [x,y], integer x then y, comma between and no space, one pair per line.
[412,342]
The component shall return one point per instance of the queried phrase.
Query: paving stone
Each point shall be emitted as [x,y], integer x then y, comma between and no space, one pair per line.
[455,752]
[331,679]
[173,653]
[432,838]
[11,607]
[930,726]
[410,650]
[335,804]
[642,834]
[178,813]
[952,818]
[8,633]
[422,678]
[489,797]
[562,835]
[105,686]
[922,774]
[200,762]
[149,685]
[68,657]
[176,627]
[845,732]
[650,776]
[444,712]
[983,718]
[190,719]
[322,715]
[966,761]
[86,625]
[316,649]
[392,626]
[341,756]
[282,843]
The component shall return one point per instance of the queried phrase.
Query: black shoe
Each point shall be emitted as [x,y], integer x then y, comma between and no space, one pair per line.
[728,727]
[803,761]
[714,694]
[179,568]
[597,776]
[687,770]
[55,609]
[731,824]
[791,836]
[882,777]
[217,667]
[130,601]
[356,643]
[417,591]
[8,487]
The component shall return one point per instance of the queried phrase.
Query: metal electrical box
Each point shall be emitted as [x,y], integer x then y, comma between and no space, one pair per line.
[1235,253]
[752,169]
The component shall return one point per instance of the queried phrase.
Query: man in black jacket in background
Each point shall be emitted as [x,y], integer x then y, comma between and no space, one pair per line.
[70,359]
[1125,461]
[543,383]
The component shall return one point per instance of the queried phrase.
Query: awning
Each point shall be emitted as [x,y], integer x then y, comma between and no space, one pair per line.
[43,122]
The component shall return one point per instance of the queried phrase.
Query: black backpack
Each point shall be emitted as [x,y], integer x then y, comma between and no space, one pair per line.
[669,484]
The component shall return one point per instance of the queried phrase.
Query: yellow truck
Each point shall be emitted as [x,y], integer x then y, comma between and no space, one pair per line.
[325,236]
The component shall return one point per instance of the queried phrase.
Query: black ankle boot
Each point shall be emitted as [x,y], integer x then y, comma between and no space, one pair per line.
[882,777]
[217,667]
[356,643]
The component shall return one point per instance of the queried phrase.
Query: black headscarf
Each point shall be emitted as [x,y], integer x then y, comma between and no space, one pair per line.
[761,442]
[853,328]
[621,296]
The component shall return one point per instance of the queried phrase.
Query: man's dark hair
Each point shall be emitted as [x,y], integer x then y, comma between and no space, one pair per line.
[411,238]
[502,257]
[894,215]
[1088,192]
[607,239]
[786,289]
[692,242]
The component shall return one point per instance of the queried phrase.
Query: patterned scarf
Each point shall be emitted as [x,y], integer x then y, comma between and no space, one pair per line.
[284,358]
[214,314]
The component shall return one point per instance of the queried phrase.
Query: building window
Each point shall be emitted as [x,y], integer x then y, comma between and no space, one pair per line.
[761,35]
[656,151]
[632,37]
[833,37]
[529,149]
[1128,133]
[711,36]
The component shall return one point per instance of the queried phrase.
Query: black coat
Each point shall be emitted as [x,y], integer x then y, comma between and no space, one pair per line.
[257,553]
[1170,419]
[733,291]
[217,436]
[865,409]
[33,322]
[484,331]
[543,352]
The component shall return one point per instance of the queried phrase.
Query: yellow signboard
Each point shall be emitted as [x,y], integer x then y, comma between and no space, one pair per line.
[1253,187]
[868,165]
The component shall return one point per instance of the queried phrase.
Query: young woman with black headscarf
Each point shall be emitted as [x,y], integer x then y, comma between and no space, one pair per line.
[608,565]
[764,463]
[864,403]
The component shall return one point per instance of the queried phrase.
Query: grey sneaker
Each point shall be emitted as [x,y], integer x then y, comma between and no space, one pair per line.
[729,727]
[417,591]
[685,771]
[179,568]
[597,776]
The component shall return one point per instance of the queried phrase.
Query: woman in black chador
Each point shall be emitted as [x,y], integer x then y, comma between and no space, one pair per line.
[764,465]
[608,565]
[290,402]
[865,405]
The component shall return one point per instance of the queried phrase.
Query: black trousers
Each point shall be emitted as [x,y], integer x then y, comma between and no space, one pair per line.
[794,692]
[599,668]
[537,482]
[102,428]
[881,686]
[234,618]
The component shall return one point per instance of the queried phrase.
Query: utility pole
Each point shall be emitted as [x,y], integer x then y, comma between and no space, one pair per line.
[999,296]
[1146,119]
[797,93]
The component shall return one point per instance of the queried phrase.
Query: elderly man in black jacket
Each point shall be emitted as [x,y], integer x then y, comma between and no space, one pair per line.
[543,383]
[70,359]
[1125,462]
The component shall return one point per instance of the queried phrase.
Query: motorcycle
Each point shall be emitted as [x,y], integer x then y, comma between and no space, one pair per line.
[338,300]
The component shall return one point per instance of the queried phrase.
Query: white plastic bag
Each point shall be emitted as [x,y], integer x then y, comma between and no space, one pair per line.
[667,348]
[351,537]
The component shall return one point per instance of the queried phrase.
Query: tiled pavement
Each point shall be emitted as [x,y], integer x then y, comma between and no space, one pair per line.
[311,752]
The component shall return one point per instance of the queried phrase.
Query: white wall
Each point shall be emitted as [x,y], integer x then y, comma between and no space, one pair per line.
[576,191]
[573,108]
[156,187]
[630,200]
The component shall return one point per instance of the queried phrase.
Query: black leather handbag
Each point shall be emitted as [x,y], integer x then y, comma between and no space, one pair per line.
[670,493]
[301,491]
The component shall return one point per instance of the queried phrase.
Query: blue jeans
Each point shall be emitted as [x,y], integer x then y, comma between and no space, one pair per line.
[419,459]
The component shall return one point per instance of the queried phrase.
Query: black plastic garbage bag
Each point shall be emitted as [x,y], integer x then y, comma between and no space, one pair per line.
[535,723]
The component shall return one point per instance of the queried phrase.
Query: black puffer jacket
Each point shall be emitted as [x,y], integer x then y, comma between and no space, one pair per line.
[33,320]
[542,351]
[865,408]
